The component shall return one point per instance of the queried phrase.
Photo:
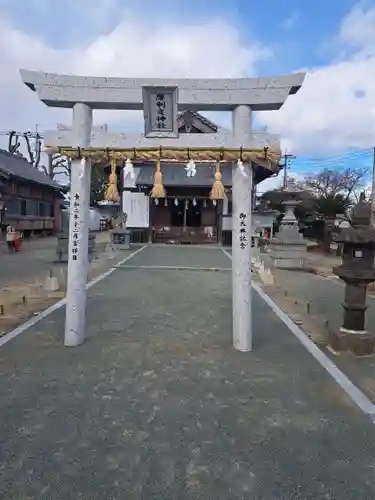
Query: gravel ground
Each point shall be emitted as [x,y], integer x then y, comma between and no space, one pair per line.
[156,404]
[325,297]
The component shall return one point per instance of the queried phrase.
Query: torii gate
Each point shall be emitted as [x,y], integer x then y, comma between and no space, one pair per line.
[160,100]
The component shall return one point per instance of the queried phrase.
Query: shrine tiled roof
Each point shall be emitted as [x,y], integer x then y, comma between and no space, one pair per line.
[175,175]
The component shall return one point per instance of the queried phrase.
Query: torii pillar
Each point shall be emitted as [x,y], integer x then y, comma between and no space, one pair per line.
[240,96]
[79,226]
[241,235]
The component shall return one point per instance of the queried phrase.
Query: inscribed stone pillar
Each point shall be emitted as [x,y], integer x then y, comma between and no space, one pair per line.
[241,235]
[75,320]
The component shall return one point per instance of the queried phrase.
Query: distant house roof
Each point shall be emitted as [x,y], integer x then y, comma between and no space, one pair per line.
[15,166]
[187,115]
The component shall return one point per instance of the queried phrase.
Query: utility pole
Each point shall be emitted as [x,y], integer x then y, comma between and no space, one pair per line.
[287,158]
[373,191]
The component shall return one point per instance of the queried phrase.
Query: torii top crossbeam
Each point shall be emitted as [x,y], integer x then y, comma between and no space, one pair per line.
[213,94]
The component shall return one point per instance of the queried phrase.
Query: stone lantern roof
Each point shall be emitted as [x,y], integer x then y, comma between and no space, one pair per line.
[360,231]
[361,212]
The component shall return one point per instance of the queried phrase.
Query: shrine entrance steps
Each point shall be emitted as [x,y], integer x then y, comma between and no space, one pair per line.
[157,403]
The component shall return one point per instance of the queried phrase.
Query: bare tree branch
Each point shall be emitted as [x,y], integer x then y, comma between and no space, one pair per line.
[14,143]
[57,164]
[34,151]
[328,183]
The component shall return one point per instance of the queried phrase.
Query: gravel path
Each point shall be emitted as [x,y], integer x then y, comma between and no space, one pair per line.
[158,405]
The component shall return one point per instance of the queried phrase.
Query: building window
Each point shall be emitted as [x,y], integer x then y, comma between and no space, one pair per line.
[41,209]
[23,207]
[32,207]
[13,206]
[51,210]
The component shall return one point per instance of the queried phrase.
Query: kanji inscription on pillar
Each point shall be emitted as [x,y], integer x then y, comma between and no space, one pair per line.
[160,109]
[76,226]
[243,238]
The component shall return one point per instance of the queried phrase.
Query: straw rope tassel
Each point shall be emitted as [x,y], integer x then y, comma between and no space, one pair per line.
[158,190]
[217,191]
[112,191]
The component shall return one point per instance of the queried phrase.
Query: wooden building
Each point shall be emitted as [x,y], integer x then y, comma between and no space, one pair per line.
[29,199]
[186,215]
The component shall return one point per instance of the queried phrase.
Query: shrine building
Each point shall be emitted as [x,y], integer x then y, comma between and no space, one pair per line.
[186,215]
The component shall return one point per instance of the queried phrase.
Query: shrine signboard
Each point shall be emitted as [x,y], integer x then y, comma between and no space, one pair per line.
[76,226]
[243,231]
[160,109]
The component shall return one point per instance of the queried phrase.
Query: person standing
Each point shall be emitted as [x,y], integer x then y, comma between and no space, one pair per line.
[17,241]
[10,238]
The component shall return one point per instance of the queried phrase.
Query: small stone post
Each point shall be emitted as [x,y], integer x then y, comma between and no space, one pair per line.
[75,319]
[241,235]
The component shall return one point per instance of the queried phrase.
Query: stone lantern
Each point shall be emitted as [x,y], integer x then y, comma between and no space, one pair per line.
[288,248]
[357,271]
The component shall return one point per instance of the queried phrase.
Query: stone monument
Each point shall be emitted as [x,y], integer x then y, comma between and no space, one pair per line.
[62,248]
[255,235]
[120,235]
[357,271]
[288,249]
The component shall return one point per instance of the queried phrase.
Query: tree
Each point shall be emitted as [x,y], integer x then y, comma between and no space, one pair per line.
[329,183]
[57,164]
[335,191]
[99,181]
[324,195]
[275,198]
[331,205]
[33,149]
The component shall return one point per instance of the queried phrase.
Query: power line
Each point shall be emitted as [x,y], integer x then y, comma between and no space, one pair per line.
[29,134]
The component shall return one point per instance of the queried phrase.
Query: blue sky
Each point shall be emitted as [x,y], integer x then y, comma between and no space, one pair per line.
[332,115]
[300,32]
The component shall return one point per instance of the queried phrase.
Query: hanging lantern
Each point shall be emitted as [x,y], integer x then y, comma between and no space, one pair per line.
[194,202]
[165,202]
[205,204]
[214,202]
[176,202]
[156,201]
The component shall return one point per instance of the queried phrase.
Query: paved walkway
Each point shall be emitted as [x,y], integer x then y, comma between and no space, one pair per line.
[158,405]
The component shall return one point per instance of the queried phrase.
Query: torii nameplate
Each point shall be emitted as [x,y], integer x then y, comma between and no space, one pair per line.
[160,109]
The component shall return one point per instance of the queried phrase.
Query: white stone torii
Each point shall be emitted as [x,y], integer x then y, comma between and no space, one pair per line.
[240,96]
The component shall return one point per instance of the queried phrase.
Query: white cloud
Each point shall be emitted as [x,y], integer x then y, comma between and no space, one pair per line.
[335,109]
[277,182]
[136,46]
